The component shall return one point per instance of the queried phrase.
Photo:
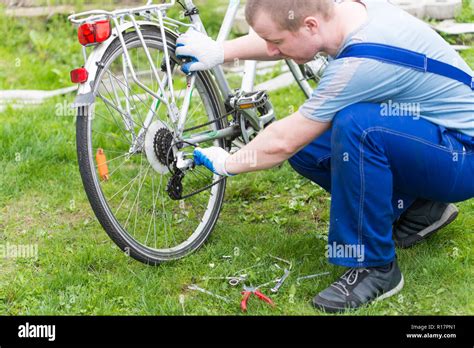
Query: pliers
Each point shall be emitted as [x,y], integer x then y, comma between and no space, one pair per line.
[249,291]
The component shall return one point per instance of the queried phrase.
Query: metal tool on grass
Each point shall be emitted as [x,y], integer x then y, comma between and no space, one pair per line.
[181,301]
[204,291]
[283,260]
[280,281]
[233,281]
[312,276]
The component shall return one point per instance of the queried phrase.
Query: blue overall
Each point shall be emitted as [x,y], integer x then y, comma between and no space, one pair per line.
[376,166]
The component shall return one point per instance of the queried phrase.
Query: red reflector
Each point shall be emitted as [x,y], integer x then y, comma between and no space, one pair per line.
[94,33]
[79,75]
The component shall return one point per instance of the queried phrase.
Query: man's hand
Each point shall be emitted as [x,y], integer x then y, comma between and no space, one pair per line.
[213,158]
[204,52]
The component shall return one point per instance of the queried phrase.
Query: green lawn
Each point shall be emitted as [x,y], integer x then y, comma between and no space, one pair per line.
[79,269]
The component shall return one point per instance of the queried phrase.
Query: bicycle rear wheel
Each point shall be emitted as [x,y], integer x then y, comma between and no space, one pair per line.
[131,202]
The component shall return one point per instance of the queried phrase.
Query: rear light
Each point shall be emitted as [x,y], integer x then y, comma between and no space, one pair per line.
[94,33]
[79,75]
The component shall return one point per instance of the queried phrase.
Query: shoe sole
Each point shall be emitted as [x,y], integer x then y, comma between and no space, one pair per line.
[449,215]
[392,292]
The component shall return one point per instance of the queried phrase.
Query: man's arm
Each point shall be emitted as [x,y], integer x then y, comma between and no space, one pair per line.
[248,47]
[276,144]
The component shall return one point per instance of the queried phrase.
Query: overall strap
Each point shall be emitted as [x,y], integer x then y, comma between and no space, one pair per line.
[406,58]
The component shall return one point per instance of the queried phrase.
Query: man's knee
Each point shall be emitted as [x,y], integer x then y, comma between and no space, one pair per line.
[299,162]
[318,171]
[316,155]
[312,157]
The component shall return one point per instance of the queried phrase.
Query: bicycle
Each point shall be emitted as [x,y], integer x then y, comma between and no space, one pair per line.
[138,122]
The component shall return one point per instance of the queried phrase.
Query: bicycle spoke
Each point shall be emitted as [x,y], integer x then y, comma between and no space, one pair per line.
[113,138]
[191,117]
[124,115]
[106,150]
[138,199]
[108,105]
[120,166]
[111,160]
[139,188]
[147,106]
[126,195]
[154,216]
[123,188]
[164,219]
[153,211]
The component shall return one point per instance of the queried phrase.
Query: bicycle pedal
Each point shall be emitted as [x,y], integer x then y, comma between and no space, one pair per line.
[251,100]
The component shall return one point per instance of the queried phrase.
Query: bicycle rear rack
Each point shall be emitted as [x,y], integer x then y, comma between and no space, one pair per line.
[96,15]
[155,14]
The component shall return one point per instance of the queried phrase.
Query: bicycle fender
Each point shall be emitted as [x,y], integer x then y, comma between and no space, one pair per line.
[85,95]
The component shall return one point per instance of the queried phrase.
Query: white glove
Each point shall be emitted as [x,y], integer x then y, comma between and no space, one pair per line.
[213,158]
[204,52]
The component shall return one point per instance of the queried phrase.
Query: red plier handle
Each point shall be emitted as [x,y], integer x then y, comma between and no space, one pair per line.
[257,293]
[243,304]
[264,298]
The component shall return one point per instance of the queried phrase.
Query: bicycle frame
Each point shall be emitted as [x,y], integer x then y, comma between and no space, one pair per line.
[249,74]
[155,15]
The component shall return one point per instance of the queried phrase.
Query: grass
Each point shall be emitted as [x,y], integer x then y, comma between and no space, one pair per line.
[80,271]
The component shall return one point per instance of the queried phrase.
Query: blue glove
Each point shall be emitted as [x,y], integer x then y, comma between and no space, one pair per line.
[213,158]
[203,52]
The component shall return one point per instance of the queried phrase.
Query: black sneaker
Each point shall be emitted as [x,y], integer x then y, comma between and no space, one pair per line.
[422,220]
[360,286]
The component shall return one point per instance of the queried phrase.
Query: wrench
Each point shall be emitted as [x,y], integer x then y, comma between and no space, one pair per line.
[281,281]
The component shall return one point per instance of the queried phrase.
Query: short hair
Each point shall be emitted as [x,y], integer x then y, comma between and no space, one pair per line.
[288,14]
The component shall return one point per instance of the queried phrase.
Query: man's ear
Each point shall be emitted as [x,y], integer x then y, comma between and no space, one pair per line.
[311,24]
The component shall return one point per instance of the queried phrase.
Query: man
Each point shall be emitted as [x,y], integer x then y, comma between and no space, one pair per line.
[392,144]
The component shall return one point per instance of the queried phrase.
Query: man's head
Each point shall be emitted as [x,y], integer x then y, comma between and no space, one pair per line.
[292,28]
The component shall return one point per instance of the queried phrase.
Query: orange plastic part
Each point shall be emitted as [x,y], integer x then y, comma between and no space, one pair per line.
[102,165]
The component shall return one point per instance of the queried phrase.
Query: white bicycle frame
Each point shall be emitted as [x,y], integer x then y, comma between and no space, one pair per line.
[155,15]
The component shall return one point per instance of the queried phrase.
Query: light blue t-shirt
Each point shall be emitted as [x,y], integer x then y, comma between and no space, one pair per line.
[440,100]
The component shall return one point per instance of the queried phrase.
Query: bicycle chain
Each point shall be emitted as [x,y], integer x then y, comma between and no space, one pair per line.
[175,187]
[211,122]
